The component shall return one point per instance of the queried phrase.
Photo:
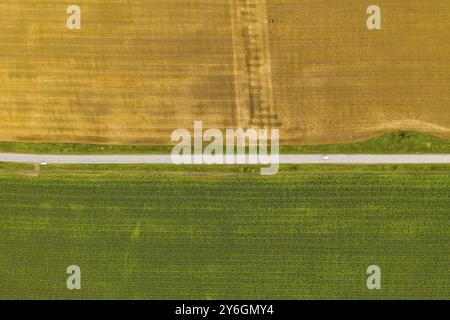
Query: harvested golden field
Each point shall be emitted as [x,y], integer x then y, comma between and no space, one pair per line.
[334,80]
[139,69]
[135,71]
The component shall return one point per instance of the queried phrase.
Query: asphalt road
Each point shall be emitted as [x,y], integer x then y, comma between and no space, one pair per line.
[284,159]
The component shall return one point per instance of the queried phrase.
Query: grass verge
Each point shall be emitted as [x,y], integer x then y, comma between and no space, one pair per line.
[398,142]
[223,169]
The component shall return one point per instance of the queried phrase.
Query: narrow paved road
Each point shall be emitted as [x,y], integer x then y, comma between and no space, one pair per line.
[284,159]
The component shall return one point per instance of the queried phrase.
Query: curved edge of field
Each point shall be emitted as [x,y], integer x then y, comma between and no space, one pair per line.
[397,142]
[393,143]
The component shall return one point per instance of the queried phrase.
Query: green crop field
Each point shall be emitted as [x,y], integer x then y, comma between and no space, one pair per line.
[179,236]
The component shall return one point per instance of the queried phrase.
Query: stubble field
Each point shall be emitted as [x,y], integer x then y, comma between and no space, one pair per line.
[140,69]
[336,81]
[134,72]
